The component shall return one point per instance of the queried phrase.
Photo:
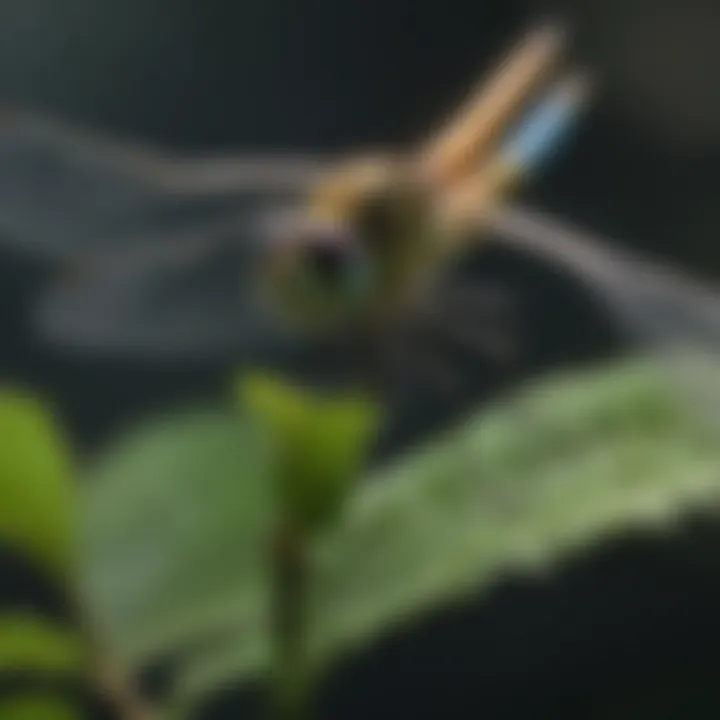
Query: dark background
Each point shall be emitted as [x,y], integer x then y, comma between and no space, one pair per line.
[631,631]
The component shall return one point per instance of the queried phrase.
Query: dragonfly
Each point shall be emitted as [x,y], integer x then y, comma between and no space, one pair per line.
[168,256]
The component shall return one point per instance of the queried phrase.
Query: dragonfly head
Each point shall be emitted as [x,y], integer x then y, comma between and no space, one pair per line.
[350,244]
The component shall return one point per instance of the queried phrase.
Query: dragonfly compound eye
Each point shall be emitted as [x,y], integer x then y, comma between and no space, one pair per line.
[322,276]
[334,266]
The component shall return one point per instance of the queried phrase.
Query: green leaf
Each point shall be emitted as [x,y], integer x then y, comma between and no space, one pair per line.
[38,707]
[175,514]
[562,464]
[30,642]
[320,442]
[35,645]
[38,501]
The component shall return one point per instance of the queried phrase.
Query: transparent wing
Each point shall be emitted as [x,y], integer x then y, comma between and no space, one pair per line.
[64,191]
[655,304]
[196,300]
[670,314]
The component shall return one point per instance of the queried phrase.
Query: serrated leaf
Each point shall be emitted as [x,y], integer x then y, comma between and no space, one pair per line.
[564,463]
[37,495]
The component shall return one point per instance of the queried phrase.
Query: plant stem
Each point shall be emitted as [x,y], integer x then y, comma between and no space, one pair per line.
[120,692]
[293,685]
[114,686]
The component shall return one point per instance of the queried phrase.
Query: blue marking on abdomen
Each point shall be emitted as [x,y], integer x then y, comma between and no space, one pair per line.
[541,132]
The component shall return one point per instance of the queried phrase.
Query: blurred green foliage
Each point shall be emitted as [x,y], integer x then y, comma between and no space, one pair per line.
[179,517]
[174,513]
[37,491]
[38,505]
[38,707]
[36,647]
[320,443]
[29,642]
